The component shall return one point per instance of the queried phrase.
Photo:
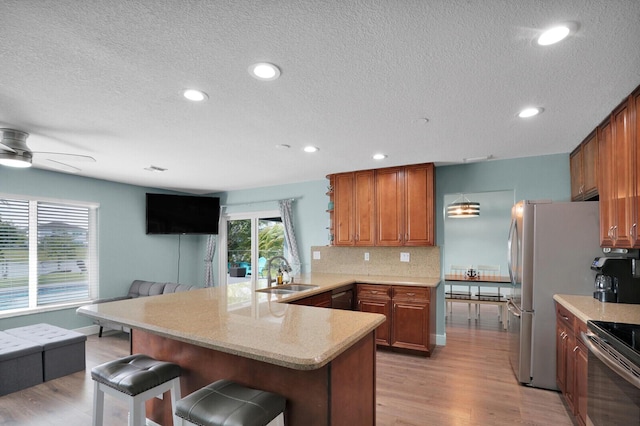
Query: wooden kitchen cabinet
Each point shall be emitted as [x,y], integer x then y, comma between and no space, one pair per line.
[377,299]
[410,318]
[383,207]
[635,142]
[583,163]
[405,206]
[618,178]
[410,321]
[581,375]
[353,213]
[571,362]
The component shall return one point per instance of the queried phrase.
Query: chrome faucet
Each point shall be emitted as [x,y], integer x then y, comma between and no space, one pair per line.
[287,268]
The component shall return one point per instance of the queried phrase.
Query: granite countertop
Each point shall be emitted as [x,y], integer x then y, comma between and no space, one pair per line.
[587,308]
[238,320]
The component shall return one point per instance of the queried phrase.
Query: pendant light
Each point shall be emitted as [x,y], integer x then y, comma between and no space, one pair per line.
[462,208]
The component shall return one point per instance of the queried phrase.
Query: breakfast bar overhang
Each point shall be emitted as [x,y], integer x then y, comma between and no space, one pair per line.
[322,360]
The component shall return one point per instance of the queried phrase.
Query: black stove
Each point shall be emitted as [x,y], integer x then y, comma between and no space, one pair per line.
[625,338]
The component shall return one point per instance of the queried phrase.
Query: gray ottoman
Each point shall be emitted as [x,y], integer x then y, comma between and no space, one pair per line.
[63,350]
[20,363]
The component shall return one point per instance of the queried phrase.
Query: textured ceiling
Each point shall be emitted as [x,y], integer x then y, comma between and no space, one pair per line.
[104,78]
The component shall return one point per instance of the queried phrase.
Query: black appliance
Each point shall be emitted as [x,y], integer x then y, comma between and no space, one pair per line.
[613,397]
[182,214]
[615,281]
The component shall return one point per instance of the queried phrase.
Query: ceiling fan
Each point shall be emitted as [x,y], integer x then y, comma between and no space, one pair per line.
[14,152]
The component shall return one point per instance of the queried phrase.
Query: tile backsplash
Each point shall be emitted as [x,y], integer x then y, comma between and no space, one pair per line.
[423,261]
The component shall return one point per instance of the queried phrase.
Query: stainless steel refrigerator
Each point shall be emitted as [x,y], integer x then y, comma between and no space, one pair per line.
[551,248]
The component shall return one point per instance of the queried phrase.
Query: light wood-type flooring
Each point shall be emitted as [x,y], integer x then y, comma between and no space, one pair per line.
[467,382]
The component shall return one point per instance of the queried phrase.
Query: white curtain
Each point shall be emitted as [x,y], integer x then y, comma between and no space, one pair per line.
[208,261]
[290,234]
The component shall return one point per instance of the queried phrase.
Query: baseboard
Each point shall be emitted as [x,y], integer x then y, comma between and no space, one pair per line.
[441,339]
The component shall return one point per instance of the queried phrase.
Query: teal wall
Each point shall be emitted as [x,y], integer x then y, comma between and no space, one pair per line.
[125,251]
[532,178]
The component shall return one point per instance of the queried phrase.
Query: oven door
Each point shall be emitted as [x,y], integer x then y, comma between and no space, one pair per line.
[614,386]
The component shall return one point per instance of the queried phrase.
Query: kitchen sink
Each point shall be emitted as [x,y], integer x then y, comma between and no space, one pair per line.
[287,288]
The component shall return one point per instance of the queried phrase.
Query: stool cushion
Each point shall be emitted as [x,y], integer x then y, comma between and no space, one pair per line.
[226,403]
[135,374]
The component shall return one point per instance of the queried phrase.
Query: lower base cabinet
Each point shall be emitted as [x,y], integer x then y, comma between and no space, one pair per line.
[571,362]
[410,322]
[322,300]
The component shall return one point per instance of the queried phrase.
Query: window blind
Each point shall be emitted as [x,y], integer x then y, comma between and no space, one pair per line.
[47,254]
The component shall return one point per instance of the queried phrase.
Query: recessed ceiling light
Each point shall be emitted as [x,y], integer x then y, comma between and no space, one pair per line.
[195,95]
[530,112]
[379,156]
[311,149]
[264,71]
[555,34]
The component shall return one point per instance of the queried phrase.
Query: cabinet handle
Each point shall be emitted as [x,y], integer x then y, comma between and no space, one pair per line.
[564,317]
[411,294]
[374,291]
[575,349]
[615,232]
[633,234]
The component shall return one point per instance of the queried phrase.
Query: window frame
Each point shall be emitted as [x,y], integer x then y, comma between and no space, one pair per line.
[92,256]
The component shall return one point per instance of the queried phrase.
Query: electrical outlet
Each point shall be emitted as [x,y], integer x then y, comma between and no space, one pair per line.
[316,255]
[366,257]
[404,257]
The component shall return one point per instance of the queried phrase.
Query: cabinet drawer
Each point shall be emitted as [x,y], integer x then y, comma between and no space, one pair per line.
[369,291]
[565,317]
[412,294]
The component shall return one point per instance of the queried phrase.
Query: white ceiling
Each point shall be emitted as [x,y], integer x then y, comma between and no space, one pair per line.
[104,78]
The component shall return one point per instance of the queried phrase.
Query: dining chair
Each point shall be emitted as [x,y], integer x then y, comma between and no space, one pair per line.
[458,271]
[488,272]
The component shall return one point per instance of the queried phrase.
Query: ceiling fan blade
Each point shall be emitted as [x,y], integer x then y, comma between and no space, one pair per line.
[6,147]
[60,156]
[62,166]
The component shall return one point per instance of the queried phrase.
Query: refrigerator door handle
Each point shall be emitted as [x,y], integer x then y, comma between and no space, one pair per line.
[512,235]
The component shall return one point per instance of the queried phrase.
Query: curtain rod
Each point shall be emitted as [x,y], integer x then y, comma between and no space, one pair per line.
[257,202]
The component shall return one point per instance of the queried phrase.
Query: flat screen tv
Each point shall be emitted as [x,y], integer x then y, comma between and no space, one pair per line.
[182,214]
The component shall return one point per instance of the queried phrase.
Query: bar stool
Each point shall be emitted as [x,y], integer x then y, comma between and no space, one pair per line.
[134,379]
[226,403]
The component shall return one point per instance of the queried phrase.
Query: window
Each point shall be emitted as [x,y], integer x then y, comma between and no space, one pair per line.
[47,254]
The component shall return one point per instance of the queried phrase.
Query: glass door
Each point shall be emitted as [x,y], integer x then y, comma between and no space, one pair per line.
[250,240]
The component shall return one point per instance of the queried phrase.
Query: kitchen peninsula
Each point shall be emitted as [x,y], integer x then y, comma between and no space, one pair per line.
[321,360]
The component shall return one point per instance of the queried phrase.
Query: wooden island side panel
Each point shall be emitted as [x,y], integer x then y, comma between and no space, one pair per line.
[341,392]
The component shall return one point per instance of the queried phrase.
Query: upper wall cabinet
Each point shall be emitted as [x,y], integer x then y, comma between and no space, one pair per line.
[405,206]
[619,175]
[384,207]
[584,169]
[353,215]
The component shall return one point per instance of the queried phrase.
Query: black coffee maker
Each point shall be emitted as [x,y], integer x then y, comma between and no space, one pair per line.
[615,281]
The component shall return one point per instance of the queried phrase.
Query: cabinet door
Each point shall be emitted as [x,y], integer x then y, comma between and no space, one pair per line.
[343,209]
[590,166]
[379,306]
[410,325]
[570,344]
[561,358]
[363,206]
[419,207]
[575,168]
[389,206]
[322,300]
[606,156]
[635,143]
[624,182]
[581,357]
